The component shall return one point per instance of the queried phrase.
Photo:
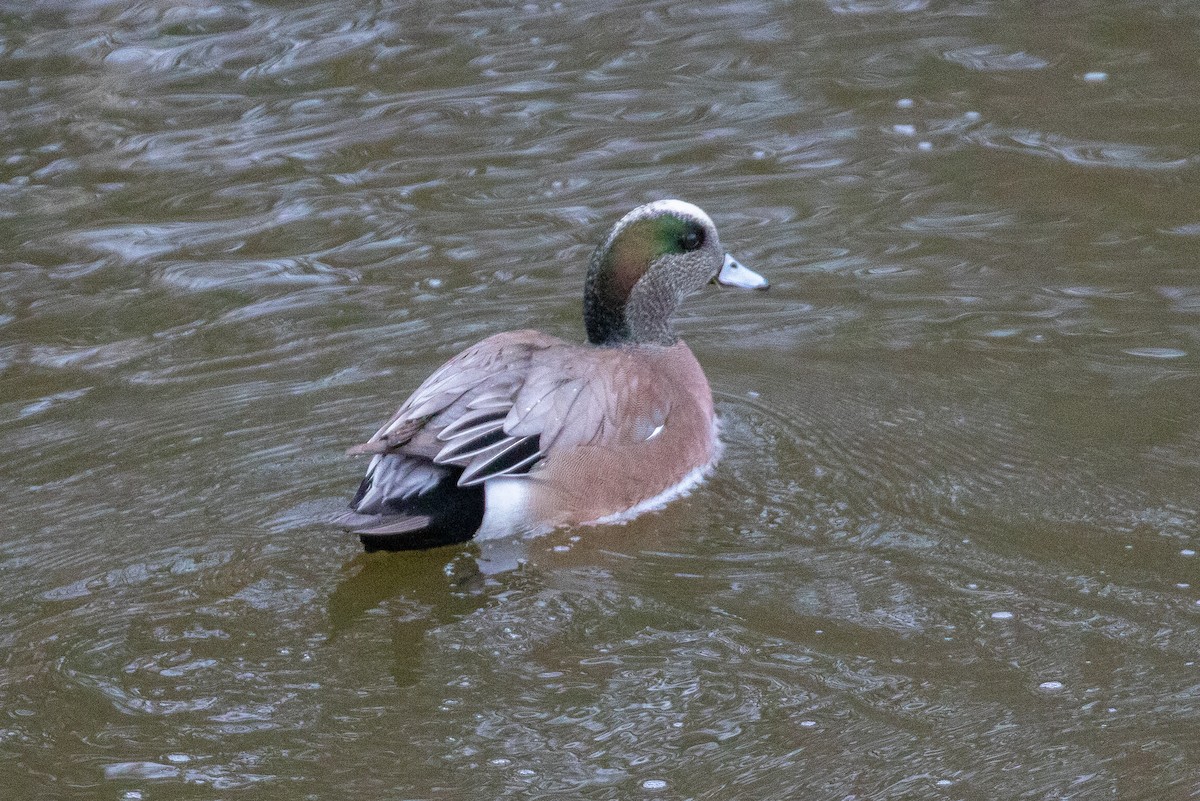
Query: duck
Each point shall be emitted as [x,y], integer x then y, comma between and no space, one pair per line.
[525,432]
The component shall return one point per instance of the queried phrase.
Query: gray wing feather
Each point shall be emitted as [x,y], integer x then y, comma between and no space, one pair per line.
[565,400]
[523,390]
[474,423]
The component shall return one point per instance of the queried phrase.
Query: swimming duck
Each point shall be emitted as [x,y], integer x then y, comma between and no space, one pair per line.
[524,432]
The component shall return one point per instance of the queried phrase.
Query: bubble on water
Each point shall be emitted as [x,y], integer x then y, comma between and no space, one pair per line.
[1002,615]
[808,724]
[1050,686]
[178,758]
[1095,77]
[973,116]
[943,782]
[905,130]
[904,102]
[925,146]
[1187,552]
[654,784]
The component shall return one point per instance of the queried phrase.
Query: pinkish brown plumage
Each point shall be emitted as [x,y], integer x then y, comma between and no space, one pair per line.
[524,432]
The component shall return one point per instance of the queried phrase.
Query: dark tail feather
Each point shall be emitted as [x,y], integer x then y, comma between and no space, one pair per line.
[381,524]
[407,502]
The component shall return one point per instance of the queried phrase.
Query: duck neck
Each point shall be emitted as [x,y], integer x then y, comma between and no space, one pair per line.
[643,316]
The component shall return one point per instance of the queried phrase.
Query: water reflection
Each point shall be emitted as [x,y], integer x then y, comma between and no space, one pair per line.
[427,590]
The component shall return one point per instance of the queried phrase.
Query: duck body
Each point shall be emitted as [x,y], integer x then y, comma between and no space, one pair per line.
[524,432]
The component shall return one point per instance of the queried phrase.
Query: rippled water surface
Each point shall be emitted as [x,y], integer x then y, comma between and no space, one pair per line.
[950,551]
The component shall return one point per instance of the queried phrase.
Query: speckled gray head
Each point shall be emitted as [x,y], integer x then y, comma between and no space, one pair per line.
[651,259]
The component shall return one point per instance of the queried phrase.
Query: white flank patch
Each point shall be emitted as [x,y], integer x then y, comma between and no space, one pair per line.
[505,502]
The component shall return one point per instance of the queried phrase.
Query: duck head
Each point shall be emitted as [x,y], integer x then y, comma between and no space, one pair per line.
[650,261]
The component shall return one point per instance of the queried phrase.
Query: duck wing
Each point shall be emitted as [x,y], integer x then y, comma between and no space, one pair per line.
[499,407]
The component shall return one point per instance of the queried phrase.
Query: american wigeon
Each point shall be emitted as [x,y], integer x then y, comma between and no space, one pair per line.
[525,432]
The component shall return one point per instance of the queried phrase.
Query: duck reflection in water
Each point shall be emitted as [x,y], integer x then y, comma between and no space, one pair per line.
[430,590]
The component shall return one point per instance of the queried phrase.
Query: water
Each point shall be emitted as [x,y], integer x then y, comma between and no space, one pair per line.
[950,550]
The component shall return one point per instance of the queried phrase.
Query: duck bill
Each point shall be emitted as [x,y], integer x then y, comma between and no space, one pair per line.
[734,273]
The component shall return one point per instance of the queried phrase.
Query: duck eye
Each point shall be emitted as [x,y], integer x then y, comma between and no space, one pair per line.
[692,239]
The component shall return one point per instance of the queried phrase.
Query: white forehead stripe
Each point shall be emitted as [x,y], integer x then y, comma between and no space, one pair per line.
[679,208]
